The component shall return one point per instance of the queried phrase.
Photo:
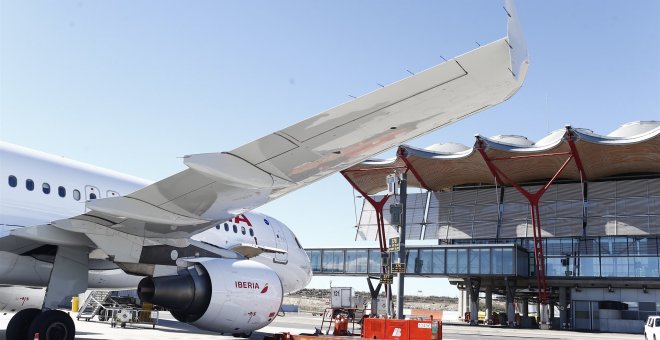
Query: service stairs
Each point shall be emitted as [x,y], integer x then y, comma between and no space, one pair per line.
[93,304]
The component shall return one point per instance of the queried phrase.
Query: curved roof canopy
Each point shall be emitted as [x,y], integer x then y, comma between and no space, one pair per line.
[633,148]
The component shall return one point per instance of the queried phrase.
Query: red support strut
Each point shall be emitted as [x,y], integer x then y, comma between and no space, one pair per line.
[378,207]
[403,155]
[533,199]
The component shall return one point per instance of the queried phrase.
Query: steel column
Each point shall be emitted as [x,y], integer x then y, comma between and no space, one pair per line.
[403,187]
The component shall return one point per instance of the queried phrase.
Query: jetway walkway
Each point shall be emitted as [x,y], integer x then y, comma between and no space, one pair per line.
[483,260]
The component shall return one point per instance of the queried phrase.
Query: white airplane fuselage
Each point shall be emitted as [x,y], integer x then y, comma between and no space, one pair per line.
[38,188]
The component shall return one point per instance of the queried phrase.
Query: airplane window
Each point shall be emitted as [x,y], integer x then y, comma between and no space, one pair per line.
[251,232]
[45,188]
[29,184]
[13,181]
[92,196]
[61,191]
[235,229]
[226,227]
[217,226]
[243,230]
[76,194]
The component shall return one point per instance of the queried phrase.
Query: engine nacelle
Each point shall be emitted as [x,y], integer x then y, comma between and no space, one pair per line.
[220,295]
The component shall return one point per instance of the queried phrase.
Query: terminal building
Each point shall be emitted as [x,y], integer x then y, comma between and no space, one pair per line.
[571,221]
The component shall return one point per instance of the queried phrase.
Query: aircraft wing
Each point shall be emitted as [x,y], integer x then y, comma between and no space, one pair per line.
[218,186]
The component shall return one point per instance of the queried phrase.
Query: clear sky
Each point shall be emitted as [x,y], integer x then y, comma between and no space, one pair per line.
[132,85]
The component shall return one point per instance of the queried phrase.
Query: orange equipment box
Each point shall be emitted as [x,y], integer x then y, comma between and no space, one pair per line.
[373,328]
[401,329]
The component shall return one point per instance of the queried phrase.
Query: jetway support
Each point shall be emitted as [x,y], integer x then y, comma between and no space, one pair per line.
[374,296]
[474,285]
[563,313]
[489,305]
[510,307]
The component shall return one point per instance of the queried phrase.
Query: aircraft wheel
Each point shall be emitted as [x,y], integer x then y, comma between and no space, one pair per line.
[242,335]
[19,325]
[53,325]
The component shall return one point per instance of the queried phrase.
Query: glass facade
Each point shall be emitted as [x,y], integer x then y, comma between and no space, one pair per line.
[605,257]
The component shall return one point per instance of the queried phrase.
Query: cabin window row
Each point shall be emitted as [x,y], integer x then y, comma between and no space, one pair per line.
[46,189]
[235,229]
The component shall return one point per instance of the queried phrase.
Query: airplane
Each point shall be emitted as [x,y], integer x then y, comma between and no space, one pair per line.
[191,242]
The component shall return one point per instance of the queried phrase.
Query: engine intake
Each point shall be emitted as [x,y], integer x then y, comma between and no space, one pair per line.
[186,295]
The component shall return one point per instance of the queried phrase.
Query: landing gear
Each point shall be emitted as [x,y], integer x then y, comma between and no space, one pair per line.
[53,325]
[19,325]
[50,324]
[241,335]
[68,277]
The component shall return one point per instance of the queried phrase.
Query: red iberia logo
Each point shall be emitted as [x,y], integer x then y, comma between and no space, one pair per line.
[251,285]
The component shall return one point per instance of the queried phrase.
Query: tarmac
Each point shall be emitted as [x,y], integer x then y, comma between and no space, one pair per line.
[296,323]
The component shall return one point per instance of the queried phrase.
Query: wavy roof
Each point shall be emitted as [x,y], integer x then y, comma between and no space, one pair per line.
[633,148]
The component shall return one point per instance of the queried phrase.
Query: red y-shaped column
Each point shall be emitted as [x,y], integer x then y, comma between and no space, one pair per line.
[378,207]
[534,198]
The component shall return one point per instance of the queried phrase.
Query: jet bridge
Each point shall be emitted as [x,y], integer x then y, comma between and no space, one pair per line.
[450,261]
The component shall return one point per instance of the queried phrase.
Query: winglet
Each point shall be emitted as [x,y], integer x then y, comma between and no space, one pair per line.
[517,44]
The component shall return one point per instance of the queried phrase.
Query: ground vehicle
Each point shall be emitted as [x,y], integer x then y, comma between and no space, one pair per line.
[652,327]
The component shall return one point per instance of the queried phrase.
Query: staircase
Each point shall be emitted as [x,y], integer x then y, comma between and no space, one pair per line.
[93,304]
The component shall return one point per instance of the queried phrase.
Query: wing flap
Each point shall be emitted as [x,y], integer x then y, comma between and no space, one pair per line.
[252,250]
[128,207]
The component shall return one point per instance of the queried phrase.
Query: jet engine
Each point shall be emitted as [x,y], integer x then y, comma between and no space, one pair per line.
[220,295]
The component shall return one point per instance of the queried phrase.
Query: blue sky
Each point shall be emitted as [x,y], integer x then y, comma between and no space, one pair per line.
[132,85]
